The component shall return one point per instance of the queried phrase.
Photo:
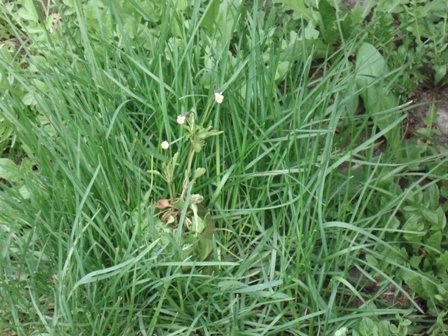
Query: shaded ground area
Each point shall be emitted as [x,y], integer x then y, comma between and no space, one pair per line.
[427,102]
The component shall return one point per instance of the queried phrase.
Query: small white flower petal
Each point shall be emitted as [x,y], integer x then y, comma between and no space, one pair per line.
[165,145]
[219,97]
[180,119]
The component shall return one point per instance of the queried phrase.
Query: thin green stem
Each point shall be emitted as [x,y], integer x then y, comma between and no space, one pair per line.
[170,189]
[188,171]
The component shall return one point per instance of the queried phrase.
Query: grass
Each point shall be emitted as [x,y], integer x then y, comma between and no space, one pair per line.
[293,182]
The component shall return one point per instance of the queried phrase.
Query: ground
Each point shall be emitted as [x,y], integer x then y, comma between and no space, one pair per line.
[423,99]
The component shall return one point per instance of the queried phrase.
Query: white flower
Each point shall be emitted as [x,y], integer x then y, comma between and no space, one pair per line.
[180,119]
[165,145]
[218,97]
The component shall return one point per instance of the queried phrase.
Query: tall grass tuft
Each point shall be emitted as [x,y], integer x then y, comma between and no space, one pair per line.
[290,188]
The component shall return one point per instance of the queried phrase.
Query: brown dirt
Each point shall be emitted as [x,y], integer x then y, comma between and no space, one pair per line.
[351,3]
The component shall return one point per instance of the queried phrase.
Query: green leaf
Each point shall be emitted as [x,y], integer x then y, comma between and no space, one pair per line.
[199,172]
[395,6]
[328,25]
[442,262]
[366,326]
[414,224]
[421,284]
[29,99]
[197,224]
[197,146]
[435,240]
[211,15]
[29,11]
[430,216]
[431,196]
[6,132]
[188,244]
[415,261]
[435,10]
[416,197]
[310,32]
[341,332]
[221,20]
[205,247]
[9,170]
[441,219]
[370,70]
[179,204]
[351,100]
[394,329]
[282,70]
[399,256]
[300,10]
[206,240]
[416,30]
[369,65]
[441,71]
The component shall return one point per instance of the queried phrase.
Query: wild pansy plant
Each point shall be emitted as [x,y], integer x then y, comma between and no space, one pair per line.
[182,215]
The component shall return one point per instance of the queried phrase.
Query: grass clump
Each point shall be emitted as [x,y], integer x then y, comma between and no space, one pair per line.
[307,214]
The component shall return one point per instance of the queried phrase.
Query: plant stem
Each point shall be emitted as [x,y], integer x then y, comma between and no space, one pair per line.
[170,190]
[187,176]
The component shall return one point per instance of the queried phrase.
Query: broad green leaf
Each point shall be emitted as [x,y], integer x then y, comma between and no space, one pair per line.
[366,326]
[197,224]
[29,11]
[9,170]
[205,247]
[430,216]
[442,262]
[197,146]
[311,33]
[328,22]
[435,240]
[28,99]
[6,132]
[341,332]
[441,71]
[395,6]
[351,100]
[416,225]
[199,172]
[400,256]
[416,197]
[211,15]
[300,10]
[378,102]
[441,219]
[282,70]
[395,329]
[415,261]
[431,196]
[206,240]
[434,10]
[420,284]
[416,30]
[229,15]
[369,65]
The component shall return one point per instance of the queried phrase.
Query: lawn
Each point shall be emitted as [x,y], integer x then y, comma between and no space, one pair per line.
[223,167]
